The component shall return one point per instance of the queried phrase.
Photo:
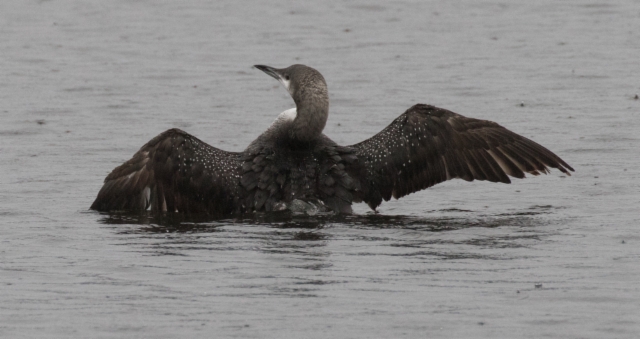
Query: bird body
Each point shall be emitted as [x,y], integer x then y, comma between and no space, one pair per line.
[293,161]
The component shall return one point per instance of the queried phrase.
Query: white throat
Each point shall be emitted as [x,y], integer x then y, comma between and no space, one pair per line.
[285,117]
[288,115]
[285,83]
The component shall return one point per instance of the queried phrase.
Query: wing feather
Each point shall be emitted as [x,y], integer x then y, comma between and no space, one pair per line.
[427,145]
[175,171]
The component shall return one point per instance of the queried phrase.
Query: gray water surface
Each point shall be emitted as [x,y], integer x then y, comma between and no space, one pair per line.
[84,84]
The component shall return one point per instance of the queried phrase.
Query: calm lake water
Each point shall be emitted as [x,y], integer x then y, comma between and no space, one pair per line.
[86,83]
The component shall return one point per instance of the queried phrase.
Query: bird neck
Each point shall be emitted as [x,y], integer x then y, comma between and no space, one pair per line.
[311,117]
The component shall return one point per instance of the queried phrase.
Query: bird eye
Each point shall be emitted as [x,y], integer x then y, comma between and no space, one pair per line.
[286,77]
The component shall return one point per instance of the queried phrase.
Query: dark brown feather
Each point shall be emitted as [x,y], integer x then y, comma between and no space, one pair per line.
[427,145]
[422,147]
[174,171]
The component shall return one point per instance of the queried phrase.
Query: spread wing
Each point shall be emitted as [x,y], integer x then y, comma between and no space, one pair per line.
[175,171]
[427,145]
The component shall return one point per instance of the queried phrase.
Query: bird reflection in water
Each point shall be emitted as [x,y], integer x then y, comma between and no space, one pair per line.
[286,233]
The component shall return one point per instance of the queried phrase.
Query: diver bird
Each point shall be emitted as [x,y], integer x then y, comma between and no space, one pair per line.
[293,161]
